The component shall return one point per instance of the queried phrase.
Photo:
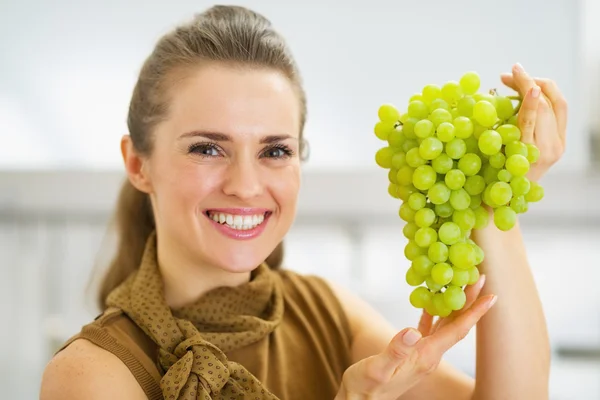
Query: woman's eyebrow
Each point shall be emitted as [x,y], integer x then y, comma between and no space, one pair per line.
[222,137]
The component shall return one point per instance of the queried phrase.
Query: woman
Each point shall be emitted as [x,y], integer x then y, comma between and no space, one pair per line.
[213,163]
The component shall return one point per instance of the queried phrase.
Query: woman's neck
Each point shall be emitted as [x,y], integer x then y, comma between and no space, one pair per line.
[185,281]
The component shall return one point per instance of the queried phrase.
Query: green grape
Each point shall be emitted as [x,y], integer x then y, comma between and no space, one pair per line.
[456,148]
[405,175]
[497,160]
[470,82]
[485,97]
[416,96]
[482,218]
[479,256]
[484,113]
[449,233]
[504,175]
[439,193]
[418,109]
[439,103]
[392,175]
[462,255]
[505,218]
[393,190]
[501,193]
[455,179]
[460,277]
[409,230]
[460,199]
[420,297]
[473,276]
[383,157]
[409,144]
[451,92]
[465,106]
[474,184]
[398,160]
[421,264]
[416,201]
[477,131]
[475,201]
[414,279]
[383,129]
[509,133]
[440,115]
[406,213]
[455,297]
[463,127]
[430,148]
[445,132]
[431,92]
[424,128]
[424,217]
[489,173]
[404,117]
[412,251]
[515,147]
[414,159]
[409,127]
[404,192]
[520,185]
[519,204]
[536,193]
[440,305]
[441,273]
[425,237]
[438,252]
[465,219]
[433,285]
[533,153]
[517,165]
[469,164]
[514,120]
[396,138]
[442,164]
[454,112]
[388,113]
[444,210]
[424,177]
[490,142]
[504,107]
[430,308]
[487,199]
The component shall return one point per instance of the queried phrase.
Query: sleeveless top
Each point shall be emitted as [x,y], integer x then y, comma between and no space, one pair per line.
[303,358]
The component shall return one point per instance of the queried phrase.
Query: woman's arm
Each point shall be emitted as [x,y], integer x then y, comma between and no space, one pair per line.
[513,351]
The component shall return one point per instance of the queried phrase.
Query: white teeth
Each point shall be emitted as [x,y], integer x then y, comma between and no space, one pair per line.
[241,222]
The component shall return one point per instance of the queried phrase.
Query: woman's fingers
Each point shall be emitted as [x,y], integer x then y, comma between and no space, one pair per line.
[528,114]
[450,334]
[472,293]
[559,104]
[425,323]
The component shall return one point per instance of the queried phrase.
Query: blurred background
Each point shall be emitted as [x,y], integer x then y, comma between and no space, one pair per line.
[67,70]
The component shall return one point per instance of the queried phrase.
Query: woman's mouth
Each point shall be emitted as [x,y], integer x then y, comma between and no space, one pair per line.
[242,223]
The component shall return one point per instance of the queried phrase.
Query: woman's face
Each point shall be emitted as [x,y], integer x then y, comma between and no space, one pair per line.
[225,169]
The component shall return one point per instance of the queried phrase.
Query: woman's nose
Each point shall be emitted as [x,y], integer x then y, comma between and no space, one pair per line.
[243,180]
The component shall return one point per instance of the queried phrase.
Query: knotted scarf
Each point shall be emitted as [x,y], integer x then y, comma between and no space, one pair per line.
[193,339]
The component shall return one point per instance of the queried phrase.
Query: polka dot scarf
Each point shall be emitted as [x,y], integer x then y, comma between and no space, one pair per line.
[192,340]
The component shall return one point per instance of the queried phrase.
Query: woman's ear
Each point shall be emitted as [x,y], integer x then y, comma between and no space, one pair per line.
[136,166]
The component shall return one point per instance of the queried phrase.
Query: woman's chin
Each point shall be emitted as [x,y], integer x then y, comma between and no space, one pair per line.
[239,263]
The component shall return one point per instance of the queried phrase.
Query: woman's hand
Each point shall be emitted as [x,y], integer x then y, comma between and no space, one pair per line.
[413,354]
[542,117]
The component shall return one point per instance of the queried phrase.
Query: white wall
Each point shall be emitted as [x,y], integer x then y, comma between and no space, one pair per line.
[68,67]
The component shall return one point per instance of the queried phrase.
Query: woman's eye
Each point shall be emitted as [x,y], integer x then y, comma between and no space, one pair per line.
[277,152]
[206,150]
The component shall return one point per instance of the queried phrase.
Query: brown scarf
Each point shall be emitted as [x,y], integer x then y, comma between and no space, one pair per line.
[192,340]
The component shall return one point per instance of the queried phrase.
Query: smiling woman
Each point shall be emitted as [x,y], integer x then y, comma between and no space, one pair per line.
[195,304]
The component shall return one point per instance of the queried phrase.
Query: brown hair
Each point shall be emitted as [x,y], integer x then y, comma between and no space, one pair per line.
[231,35]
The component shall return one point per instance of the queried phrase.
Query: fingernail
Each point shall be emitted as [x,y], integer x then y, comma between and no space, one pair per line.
[519,67]
[506,74]
[411,337]
[482,280]
[492,301]
[535,92]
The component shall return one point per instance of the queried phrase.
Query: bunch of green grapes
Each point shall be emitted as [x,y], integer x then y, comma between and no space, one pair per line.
[452,152]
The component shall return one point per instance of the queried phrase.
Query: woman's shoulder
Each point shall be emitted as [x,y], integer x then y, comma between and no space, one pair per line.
[85,370]
[108,353]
